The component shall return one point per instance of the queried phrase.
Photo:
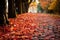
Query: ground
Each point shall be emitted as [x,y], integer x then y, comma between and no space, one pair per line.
[30,26]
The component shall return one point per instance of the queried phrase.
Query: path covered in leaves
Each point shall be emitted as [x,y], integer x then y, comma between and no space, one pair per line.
[30,26]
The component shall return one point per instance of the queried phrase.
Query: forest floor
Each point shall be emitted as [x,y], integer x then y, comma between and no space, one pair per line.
[30,26]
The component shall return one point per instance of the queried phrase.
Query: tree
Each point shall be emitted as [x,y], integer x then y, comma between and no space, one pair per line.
[11,9]
[3,17]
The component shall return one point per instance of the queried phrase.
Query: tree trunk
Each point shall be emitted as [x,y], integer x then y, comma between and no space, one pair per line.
[18,6]
[11,9]
[3,18]
[22,5]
